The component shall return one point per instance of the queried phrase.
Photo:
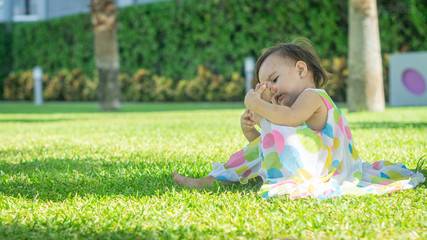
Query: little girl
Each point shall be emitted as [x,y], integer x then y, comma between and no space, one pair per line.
[305,147]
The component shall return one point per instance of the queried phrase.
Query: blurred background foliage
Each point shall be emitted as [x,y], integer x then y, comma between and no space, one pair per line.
[193,50]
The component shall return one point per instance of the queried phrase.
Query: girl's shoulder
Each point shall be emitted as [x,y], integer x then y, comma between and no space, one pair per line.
[325,97]
[315,89]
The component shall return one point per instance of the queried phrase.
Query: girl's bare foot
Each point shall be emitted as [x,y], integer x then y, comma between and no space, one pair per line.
[196,182]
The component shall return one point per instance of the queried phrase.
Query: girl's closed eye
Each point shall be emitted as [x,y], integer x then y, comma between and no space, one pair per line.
[275,79]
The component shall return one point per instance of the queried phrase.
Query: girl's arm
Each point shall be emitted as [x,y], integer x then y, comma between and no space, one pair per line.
[304,107]
[247,124]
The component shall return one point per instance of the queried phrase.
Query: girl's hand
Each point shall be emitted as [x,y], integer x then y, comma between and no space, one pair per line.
[269,92]
[246,121]
[253,95]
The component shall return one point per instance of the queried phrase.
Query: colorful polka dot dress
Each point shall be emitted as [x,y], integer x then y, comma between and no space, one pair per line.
[301,162]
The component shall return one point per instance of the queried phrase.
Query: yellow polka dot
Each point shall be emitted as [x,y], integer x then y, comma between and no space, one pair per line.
[355,154]
[304,173]
[397,184]
[253,175]
[254,142]
[328,159]
[311,188]
[241,169]
[336,143]
[339,167]
[321,143]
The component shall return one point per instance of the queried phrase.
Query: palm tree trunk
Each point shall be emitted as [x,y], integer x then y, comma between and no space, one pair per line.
[104,14]
[365,89]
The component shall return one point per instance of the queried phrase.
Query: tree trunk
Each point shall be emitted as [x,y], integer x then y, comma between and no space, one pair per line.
[104,14]
[365,89]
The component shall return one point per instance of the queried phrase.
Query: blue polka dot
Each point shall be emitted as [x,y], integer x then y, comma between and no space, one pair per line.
[384,176]
[222,178]
[335,163]
[290,159]
[274,173]
[350,148]
[328,131]
[265,195]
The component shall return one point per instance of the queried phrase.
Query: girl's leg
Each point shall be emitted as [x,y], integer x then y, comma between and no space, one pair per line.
[197,182]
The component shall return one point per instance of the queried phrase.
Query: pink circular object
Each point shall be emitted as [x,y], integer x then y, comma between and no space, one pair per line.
[268,141]
[280,142]
[236,159]
[341,125]
[347,130]
[328,104]
[247,173]
[414,82]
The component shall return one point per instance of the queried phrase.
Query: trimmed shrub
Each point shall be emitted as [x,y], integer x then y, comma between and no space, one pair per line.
[141,86]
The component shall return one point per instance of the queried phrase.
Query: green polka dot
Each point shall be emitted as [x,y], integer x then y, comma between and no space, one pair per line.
[337,115]
[309,140]
[251,153]
[387,163]
[273,161]
[395,175]
[323,94]
[357,175]
[264,192]
[378,180]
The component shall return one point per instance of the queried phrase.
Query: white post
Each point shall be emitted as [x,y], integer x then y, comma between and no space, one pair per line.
[42,9]
[38,86]
[6,10]
[249,72]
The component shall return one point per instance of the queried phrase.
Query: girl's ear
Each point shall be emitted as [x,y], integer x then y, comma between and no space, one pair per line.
[301,68]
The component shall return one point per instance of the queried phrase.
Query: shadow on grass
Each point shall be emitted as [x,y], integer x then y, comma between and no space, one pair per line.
[90,107]
[59,179]
[56,179]
[390,124]
[34,120]
[58,230]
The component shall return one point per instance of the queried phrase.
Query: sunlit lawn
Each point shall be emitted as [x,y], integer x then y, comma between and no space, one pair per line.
[69,171]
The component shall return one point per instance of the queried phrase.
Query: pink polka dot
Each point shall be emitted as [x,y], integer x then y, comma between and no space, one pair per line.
[236,159]
[335,173]
[376,165]
[328,104]
[268,141]
[347,130]
[385,183]
[280,142]
[327,192]
[341,125]
[247,173]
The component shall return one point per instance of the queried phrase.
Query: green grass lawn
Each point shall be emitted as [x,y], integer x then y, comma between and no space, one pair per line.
[68,171]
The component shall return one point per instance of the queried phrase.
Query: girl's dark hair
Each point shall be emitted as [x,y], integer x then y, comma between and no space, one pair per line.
[300,49]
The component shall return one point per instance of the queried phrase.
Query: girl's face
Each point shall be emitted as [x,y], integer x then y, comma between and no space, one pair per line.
[286,77]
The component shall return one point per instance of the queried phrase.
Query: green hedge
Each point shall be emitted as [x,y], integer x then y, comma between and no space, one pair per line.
[5,53]
[171,39]
[143,85]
